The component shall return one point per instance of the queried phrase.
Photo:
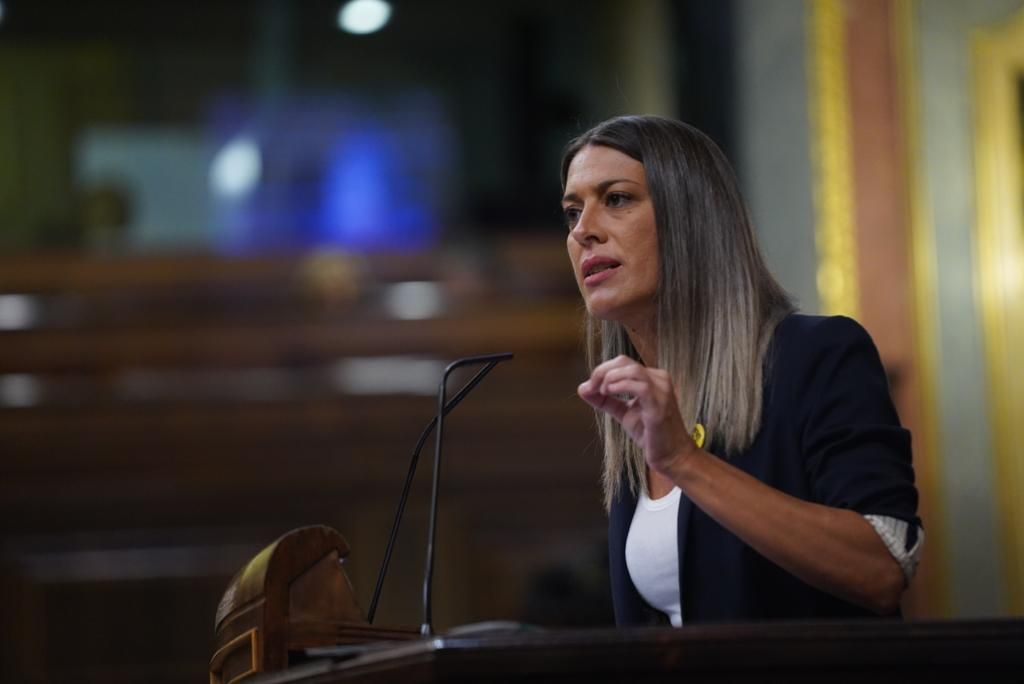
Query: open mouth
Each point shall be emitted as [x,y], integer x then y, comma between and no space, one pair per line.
[597,265]
[601,269]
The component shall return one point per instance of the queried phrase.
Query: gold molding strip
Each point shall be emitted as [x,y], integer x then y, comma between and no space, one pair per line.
[925,291]
[248,638]
[998,71]
[831,158]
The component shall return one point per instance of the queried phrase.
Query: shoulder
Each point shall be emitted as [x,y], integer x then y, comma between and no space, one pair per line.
[830,383]
[802,331]
[823,355]
[805,342]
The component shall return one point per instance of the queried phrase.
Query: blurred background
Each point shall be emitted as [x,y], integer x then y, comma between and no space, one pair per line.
[240,240]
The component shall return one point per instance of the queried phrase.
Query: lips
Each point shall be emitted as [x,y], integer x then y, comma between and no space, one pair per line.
[597,269]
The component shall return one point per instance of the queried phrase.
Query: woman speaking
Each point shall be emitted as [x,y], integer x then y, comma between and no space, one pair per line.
[754,465]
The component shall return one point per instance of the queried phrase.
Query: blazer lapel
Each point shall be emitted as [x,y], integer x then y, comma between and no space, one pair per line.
[682,532]
[626,600]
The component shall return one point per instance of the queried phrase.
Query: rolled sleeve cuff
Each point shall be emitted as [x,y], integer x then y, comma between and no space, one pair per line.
[903,542]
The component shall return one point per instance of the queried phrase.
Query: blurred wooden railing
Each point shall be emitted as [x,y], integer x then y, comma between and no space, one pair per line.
[174,406]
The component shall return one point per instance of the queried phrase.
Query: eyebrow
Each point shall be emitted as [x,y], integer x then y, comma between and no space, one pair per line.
[601,188]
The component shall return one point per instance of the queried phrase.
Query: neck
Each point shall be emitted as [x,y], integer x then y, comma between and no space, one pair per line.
[644,338]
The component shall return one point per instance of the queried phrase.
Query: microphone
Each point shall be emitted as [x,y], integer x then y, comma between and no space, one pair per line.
[443,408]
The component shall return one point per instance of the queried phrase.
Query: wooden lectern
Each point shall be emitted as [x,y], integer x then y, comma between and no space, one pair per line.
[292,595]
[851,652]
[295,595]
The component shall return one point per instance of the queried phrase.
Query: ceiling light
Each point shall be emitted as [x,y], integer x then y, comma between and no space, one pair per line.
[236,168]
[363,16]
[413,301]
[18,311]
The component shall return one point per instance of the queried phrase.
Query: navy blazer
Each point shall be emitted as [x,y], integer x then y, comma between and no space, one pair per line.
[829,434]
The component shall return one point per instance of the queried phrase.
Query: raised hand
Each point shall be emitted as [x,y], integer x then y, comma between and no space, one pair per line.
[643,401]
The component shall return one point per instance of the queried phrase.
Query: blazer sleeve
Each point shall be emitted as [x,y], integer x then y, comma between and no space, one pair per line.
[856,453]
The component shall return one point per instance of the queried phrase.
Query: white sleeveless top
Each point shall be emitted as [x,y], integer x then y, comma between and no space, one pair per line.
[652,553]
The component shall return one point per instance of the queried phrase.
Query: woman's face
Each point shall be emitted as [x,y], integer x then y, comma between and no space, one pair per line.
[613,242]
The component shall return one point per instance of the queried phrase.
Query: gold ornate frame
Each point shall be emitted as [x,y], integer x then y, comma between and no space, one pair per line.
[998,61]
[831,157]
[924,269]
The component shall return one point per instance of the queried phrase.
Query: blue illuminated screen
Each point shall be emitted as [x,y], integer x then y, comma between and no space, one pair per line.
[329,172]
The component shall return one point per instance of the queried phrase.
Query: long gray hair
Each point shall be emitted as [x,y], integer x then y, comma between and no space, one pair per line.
[717,304]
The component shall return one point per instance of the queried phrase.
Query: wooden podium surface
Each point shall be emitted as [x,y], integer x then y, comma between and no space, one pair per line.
[293,601]
[863,651]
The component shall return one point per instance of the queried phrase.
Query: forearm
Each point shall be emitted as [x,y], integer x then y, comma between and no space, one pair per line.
[832,549]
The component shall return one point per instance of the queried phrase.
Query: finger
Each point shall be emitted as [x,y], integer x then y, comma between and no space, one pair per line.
[620,361]
[597,375]
[606,403]
[589,389]
[634,372]
[627,413]
[639,389]
[663,381]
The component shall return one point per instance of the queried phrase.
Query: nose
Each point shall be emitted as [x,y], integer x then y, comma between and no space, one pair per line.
[587,228]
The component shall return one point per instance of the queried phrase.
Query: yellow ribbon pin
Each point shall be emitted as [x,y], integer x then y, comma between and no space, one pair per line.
[698,435]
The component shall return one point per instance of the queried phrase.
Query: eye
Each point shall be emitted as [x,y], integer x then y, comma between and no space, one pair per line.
[616,200]
[572,215]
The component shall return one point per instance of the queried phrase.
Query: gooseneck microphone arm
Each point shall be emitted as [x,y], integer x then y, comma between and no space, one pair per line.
[428,576]
[491,360]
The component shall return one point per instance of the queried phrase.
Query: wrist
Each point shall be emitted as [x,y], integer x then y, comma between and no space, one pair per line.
[686,464]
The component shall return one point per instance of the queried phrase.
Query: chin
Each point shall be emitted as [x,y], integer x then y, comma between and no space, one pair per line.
[603,311]
[615,310]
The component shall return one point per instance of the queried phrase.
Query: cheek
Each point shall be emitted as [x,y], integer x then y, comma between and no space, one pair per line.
[572,248]
[647,242]
[654,261]
[651,275]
